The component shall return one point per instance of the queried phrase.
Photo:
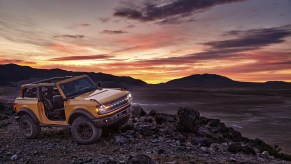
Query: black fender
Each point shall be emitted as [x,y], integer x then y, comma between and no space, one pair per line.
[28,112]
[80,112]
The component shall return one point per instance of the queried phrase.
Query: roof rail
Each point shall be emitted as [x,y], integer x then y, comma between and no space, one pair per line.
[51,79]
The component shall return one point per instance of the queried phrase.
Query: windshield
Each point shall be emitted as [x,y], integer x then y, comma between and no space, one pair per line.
[77,87]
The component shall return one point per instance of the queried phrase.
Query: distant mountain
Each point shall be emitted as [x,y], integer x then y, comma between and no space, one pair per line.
[12,74]
[202,80]
[217,81]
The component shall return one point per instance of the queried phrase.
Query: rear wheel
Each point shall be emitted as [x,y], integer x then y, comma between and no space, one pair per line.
[28,127]
[84,131]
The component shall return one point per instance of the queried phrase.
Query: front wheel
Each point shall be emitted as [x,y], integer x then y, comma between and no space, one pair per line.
[28,127]
[84,131]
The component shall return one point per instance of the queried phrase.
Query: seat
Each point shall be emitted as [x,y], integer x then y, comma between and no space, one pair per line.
[47,104]
[58,102]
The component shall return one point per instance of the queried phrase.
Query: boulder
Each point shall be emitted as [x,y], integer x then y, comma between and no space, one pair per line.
[265,153]
[213,122]
[137,112]
[153,113]
[14,157]
[161,118]
[145,129]
[248,150]
[126,128]
[187,120]
[234,148]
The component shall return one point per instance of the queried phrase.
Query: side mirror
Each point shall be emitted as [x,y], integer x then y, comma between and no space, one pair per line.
[99,85]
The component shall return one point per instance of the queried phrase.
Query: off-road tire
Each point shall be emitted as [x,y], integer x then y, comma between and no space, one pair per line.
[84,131]
[28,127]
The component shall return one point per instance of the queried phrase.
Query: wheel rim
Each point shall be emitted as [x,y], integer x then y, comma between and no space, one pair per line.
[85,130]
[25,127]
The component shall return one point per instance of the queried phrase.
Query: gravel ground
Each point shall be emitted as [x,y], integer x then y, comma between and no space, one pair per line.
[147,138]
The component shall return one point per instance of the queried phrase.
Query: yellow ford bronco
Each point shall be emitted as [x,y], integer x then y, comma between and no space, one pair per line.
[76,102]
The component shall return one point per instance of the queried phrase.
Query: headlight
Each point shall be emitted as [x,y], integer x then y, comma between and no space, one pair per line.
[129,98]
[102,109]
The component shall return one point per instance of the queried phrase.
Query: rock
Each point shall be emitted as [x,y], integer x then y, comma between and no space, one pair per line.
[3,116]
[213,122]
[126,127]
[187,120]
[219,138]
[234,148]
[161,118]
[147,119]
[248,150]
[205,149]
[232,160]
[153,113]
[111,161]
[205,142]
[223,147]
[120,140]
[200,141]
[204,132]
[137,112]
[14,157]
[4,124]
[265,153]
[145,129]
[211,150]
[161,151]
[217,147]
[173,162]
[140,159]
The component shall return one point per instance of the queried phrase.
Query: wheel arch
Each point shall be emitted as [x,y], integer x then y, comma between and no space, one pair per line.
[29,113]
[77,113]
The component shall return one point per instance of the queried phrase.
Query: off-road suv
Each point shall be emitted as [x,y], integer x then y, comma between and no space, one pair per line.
[76,102]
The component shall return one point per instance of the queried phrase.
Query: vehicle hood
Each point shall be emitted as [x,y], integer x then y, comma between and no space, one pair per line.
[104,95]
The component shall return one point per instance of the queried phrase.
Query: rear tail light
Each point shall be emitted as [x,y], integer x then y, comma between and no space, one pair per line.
[14,107]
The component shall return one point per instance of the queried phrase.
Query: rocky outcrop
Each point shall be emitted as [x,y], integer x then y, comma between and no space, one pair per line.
[187,120]
[149,138]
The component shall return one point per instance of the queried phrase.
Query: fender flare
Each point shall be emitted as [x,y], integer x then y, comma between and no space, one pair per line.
[79,112]
[28,112]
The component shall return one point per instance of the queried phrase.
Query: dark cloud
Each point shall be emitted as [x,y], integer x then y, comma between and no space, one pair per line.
[113,32]
[70,36]
[104,20]
[171,12]
[85,25]
[252,39]
[88,57]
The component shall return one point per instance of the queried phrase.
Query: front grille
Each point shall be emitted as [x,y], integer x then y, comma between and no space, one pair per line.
[117,104]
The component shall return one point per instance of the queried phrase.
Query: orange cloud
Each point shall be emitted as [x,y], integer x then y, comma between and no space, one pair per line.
[88,57]
[70,48]
[15,61]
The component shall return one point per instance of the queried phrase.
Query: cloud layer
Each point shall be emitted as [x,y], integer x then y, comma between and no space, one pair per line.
[171,12]
[113,32]
[252,39]
[88,57]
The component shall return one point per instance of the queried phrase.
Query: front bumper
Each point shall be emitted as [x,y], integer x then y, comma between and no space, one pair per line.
[109,120]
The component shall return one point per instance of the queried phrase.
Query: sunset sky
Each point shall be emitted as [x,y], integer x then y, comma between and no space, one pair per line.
[155,41]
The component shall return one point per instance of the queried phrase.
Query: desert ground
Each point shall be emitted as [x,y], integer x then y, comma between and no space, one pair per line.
[263,113]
